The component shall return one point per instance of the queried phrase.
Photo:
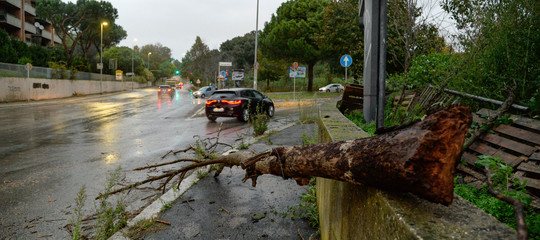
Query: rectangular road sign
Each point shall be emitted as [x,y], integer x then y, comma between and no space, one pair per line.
[238,75]
[300,73]
[225,64]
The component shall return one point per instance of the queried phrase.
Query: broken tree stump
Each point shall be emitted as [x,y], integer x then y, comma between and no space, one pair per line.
[419,158]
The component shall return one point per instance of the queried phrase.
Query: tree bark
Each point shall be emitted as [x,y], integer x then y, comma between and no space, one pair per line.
[419,158]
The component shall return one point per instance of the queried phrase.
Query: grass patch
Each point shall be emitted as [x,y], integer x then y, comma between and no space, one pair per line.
[506,184]
[144,227]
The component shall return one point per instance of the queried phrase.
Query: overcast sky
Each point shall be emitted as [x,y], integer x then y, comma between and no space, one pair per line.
[176,23]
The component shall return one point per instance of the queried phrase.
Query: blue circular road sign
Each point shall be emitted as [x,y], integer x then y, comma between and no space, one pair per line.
[346,60]
[223,73]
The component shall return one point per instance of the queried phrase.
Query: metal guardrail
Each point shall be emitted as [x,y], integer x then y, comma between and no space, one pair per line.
[16,70]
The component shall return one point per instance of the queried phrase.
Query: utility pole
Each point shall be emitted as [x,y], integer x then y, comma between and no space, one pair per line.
[255,63]
[373,18]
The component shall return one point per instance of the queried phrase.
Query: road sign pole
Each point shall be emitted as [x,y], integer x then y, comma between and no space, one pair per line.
[345,76]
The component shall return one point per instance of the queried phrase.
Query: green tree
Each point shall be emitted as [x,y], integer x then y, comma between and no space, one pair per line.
[341,34]
[196,62]
[500,48]
[73,21]
[240,51]
[290,34]
[123,57]
[160,55]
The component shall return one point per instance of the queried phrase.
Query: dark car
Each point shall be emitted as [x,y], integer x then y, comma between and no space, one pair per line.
[165,90]
[239,103]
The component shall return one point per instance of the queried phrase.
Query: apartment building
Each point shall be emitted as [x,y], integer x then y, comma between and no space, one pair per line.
[18,18]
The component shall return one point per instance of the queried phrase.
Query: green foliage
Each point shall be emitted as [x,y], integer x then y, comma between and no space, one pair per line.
[76,219]
[433,69]
[500,48]
[290,34]
[123,56]
[307,208]
[240,50]
[24,60]
[78,23]
[309,139]
[110,218]
[358,118]
[14,51]
[259,122]
[242,146]
[503,182]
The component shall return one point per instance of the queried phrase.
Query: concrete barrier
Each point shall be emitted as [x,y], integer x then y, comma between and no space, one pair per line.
[20,89]
[348,211]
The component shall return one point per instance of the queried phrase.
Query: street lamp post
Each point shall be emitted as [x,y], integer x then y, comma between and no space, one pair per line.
[256,64]
[101,60]
[149,53]
[132,65]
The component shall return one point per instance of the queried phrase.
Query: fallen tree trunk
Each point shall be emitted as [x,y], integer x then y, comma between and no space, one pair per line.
[419,158]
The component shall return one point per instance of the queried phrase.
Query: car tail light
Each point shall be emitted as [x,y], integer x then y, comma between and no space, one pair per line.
[159,90]
[168,90]
[232,102]
[208,102]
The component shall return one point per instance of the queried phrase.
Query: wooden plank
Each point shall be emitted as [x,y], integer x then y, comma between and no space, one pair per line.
[469,158]
[518,120]
[509,144]
[526,122]
[535,156]
[529,167]
[484,149]
[519,133]
[531,182]
[471,172]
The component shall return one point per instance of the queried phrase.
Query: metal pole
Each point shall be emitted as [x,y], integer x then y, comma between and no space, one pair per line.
[101,63]
[28,81]
[256,64]
[381,103]
[346,76]
[132,64]
[149,60]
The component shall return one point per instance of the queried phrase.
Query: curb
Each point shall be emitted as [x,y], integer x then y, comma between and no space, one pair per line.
[153,210]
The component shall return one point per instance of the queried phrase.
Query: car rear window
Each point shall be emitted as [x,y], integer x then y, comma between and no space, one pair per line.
[219,95]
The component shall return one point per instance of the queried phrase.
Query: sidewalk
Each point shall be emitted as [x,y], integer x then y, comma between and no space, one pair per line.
[226,208]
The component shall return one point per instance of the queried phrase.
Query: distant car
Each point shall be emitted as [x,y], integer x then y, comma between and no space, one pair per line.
[204,91]
[165,90]
[239,103]
[180,85]
[334,87]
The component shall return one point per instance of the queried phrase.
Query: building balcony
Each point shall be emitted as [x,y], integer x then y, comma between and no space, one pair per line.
[29,28]
[11,20]
[29,9]
[13,3]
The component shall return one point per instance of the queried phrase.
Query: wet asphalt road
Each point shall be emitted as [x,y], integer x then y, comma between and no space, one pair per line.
[49,149]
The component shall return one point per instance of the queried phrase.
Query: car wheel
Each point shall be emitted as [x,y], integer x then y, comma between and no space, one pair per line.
[244,117]
[328,90]
[270,111]
[202,96]
[211,118]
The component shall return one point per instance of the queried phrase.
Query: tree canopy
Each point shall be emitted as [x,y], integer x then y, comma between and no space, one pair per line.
[290,34]
[78,24]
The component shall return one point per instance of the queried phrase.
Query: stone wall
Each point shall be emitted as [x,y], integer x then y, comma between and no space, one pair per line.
[348,211]
[19,89]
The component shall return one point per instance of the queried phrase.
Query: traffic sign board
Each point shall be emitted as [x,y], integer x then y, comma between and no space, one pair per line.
[223,73]
[346,60]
